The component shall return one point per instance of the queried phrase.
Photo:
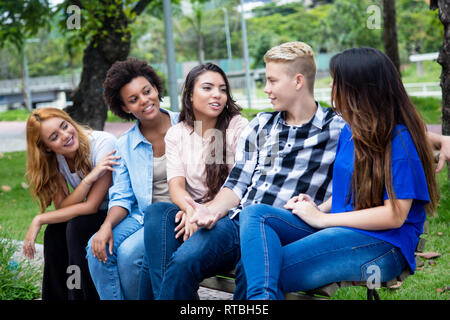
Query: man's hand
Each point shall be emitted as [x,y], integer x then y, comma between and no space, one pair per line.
[444,153]
[202,216]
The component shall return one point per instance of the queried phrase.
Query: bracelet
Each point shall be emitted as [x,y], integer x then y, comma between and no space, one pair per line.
[86,183]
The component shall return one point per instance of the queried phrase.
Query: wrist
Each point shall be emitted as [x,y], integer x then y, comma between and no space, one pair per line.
[87,183]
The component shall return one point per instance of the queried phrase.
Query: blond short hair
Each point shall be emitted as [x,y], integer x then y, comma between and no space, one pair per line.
[299,55]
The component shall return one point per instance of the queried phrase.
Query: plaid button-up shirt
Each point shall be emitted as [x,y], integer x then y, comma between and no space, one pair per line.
[276,161]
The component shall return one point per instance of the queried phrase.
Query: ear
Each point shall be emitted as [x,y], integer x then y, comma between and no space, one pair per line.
[125,109]
[299,81]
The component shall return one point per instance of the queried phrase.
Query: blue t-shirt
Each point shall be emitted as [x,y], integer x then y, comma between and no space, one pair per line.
[408,180]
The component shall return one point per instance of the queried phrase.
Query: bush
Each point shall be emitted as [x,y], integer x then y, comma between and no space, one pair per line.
[19,278]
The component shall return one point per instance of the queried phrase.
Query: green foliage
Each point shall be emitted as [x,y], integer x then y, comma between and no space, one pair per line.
[19,278]
[20,20]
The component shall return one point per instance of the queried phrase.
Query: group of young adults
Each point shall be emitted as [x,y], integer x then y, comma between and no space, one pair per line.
[298,198]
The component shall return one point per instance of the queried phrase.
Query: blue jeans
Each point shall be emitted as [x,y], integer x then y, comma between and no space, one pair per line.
[281,253]
[176,268]
[118,277]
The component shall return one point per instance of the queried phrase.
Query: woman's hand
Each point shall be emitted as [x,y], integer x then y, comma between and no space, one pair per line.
[185,228]
[189,228]
[30,238]
[179,229]
[106,164]
[309,213]
[103,236]
[301,197]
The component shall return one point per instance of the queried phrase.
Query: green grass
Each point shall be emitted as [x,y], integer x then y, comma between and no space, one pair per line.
[17,208]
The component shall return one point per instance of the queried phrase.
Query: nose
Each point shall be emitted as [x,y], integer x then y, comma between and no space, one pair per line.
[217,93]
[66,135]
[143,99]
[266,88]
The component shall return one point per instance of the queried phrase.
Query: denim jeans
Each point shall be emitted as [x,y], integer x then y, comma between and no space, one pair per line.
[281,253]
[176,268]
[118,277]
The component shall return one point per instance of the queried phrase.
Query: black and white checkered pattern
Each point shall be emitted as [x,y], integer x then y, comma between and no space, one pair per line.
[276,161]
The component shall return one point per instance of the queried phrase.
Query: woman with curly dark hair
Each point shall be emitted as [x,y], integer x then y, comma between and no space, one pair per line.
[200,153]
[133,91]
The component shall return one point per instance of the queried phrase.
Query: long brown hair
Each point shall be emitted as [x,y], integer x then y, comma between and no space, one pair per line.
[216,173]
[42,165]
[370,96]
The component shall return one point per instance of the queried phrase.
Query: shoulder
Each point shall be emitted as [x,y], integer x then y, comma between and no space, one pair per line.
[238,122]
[173,115]
[101,137]
[176,131]
[125,138]
[403,145]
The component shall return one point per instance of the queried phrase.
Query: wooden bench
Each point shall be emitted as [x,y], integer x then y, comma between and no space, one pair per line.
[225,282]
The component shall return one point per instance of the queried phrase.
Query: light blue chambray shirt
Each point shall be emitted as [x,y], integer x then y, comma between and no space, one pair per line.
[133,179]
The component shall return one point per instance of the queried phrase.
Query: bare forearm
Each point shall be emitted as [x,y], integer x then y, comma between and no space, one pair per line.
[67,213]
[377,218]
[225,200]
[326,206]
[115,215]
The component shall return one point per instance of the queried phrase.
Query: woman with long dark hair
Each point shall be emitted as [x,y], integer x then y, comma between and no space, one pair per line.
[200,153]
[383,185]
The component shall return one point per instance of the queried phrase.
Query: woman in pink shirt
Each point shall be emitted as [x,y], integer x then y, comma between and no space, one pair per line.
[200,153]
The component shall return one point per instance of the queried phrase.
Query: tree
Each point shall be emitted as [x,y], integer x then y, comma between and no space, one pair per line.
[390,33]
[444,61]
[20,20]
[104,25]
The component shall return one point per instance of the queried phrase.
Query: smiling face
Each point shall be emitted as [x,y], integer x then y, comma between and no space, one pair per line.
[140,98]
[209,95]
[59,136]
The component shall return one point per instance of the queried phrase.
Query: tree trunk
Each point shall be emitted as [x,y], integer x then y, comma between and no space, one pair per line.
[390,32]
[88,106]
[444,60]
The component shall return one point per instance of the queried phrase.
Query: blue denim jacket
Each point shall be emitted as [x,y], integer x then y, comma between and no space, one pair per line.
[133,179]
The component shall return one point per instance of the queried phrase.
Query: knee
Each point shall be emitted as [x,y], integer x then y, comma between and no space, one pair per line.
[254,212]
[157,212]
[88,248]
[130,254]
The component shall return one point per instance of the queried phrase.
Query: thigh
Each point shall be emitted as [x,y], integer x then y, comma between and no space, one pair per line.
[123,230]
[131,250]
[214,250]
[80,229]
[336,254]
[288,227]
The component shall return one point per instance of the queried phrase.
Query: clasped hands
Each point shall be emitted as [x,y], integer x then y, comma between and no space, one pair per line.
[196,216]
[304,207]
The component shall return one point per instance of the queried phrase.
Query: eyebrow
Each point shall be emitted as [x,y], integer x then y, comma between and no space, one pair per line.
[212,84]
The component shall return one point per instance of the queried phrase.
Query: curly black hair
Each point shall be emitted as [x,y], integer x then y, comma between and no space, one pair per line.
[122,73]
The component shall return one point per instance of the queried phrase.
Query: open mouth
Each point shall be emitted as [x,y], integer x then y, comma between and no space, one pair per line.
[215,106]
[69,143]
[149,108]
